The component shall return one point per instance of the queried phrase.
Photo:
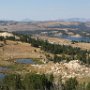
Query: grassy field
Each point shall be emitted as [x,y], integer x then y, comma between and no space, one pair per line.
[17,50]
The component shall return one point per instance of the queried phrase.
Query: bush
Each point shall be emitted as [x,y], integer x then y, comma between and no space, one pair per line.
[71,84]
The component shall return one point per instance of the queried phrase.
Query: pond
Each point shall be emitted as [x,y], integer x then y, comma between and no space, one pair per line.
[25,61]
[2,75]
[3,68]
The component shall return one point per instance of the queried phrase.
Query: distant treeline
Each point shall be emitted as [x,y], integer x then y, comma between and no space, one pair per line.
[67,52]
[40,82]
[7,38]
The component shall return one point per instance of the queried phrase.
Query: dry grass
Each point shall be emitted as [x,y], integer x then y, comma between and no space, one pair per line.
[19,50]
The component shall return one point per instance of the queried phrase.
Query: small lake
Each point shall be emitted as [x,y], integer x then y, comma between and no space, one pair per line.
[2,75]
[85,39]
[25,61]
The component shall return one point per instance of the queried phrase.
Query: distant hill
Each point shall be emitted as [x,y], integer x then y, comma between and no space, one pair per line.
[77,20]
[26,25]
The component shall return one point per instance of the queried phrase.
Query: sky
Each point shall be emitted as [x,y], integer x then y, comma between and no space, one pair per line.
[44,9]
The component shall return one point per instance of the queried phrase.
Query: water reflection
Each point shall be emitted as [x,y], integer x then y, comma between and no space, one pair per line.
[25,61]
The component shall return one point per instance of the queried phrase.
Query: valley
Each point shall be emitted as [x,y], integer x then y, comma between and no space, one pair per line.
[46,51]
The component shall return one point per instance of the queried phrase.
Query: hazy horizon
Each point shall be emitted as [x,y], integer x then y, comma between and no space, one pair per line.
[43,10]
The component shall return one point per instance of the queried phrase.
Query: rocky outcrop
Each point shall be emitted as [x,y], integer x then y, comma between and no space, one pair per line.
[6,34]
[66,70]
